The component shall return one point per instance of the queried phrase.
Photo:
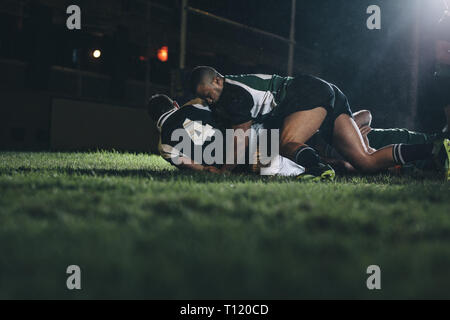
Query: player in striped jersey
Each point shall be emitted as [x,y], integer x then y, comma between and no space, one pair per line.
[302,105]
[194,122]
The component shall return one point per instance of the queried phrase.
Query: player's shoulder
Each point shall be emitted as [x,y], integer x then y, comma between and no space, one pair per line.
[249,80]
[253,77]
[249,75]
[196,111]
[194,108]
[256,83]
[236,93]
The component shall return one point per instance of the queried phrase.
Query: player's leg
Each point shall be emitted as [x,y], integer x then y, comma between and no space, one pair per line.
[347,139]
[363,118]
[349,142]
[306,105]
[299,128]
[383,137]
[446,158]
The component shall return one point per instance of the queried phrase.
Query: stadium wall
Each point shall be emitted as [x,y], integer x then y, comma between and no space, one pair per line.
[24,120]
[81,125]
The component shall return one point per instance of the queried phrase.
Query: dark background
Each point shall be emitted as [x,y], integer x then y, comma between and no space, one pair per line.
[387,71]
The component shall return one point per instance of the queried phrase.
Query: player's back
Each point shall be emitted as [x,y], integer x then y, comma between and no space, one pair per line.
[250,97]
[274,84]
[187,132]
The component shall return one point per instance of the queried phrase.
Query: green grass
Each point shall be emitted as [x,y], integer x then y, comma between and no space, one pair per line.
[140,229]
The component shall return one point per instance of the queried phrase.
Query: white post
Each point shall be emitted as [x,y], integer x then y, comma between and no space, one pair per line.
[411,116]
[292,40]
[184,5]
[147,62]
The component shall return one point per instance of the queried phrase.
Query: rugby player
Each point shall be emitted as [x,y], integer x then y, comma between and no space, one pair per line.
[195,119]
[303,105]
[169,117]
[378,138]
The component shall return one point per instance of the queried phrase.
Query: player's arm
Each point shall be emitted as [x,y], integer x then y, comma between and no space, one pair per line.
[239,147]
[181,161]
[238,115]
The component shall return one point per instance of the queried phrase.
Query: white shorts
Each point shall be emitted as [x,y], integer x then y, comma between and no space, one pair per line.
[281,166]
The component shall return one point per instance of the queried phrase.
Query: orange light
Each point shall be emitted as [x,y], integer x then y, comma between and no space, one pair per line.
[163,54]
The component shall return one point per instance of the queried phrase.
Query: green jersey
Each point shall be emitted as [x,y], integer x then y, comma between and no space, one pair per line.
[251,97]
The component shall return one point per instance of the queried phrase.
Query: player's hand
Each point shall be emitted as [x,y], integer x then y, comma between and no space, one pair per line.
[226,169]
[212,170]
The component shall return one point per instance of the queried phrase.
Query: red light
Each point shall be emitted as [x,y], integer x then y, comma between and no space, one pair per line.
[142,58]
[163,54]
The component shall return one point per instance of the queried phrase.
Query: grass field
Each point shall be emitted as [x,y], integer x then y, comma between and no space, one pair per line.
[140,229]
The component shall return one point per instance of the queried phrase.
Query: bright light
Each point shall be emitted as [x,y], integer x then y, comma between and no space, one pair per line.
[163,54]
[97,54]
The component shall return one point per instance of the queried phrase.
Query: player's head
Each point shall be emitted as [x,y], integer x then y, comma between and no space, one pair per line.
[206,83]
[160,104]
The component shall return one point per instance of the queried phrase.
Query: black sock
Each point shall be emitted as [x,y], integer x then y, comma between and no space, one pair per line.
[405,153]
[306,157]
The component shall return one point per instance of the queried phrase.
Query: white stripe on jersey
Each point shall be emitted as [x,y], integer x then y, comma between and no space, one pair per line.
[201,107]
[263,101]
[164,117]
[168,114]
[263,76]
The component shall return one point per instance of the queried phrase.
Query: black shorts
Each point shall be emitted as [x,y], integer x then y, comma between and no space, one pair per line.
[307,92]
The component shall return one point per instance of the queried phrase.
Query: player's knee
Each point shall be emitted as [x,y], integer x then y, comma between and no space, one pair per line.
[363,118]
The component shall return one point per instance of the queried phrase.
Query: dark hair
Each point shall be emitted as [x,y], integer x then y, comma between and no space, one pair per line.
[159,104]
[198,76]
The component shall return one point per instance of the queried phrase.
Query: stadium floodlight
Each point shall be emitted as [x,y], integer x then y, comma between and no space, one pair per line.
[97,54]
[446,11]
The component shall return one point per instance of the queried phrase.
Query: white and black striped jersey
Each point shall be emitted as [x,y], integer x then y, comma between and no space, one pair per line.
[187,132]
[250,97]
